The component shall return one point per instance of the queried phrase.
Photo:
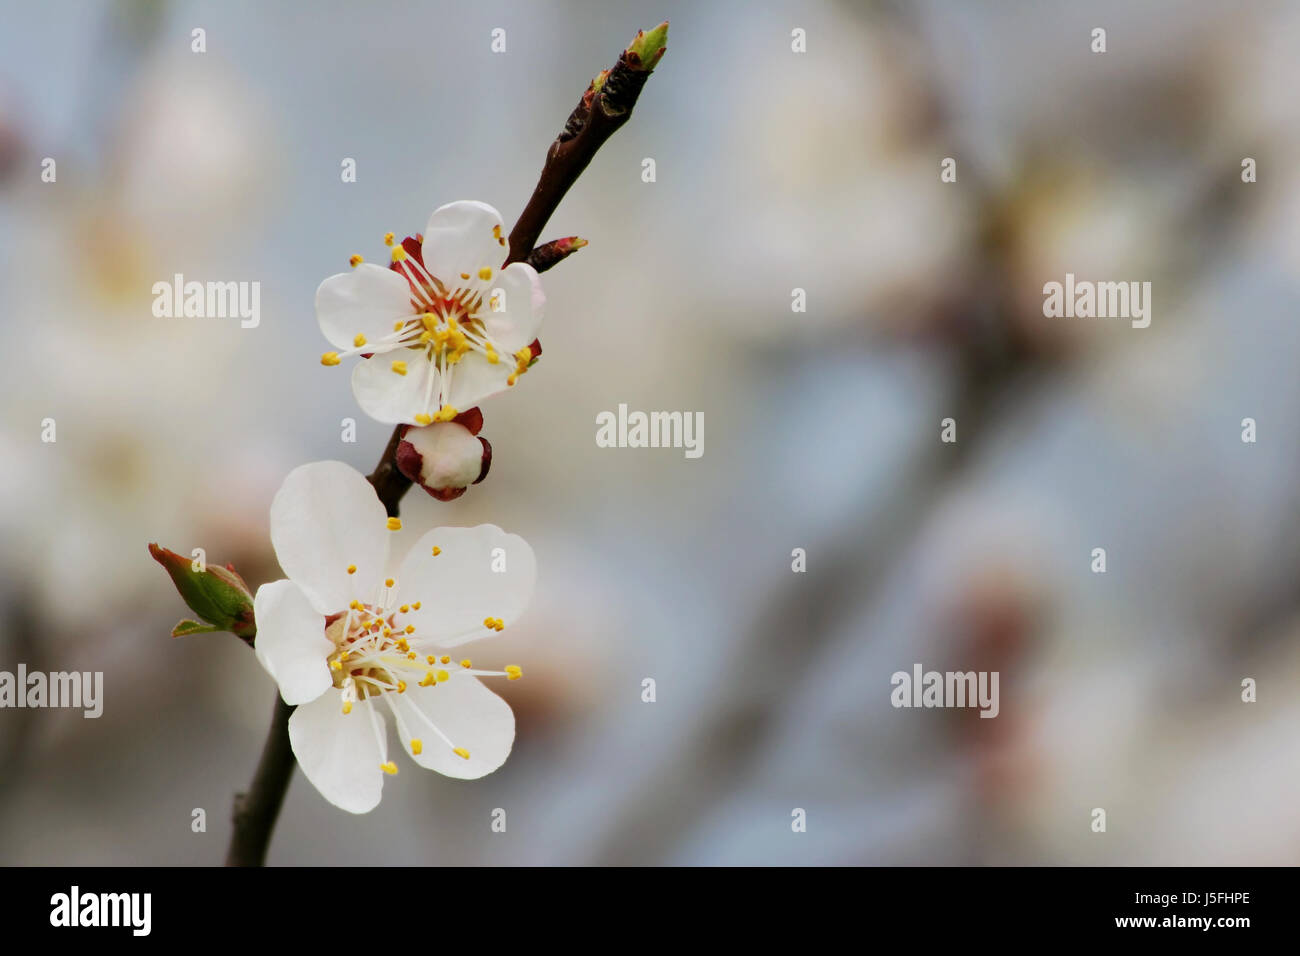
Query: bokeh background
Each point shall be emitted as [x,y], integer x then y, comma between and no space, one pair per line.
[775,171]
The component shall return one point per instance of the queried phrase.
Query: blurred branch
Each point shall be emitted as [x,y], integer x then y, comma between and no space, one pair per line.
[257,810]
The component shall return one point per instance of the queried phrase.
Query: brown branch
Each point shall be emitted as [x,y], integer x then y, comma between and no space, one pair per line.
[256,811]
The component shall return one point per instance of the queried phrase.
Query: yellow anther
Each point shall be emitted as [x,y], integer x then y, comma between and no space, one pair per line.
[485,273]
[394,524]
[428,680]
[436,550]
[397,326]
[389,582]
[404,608]
[443,676]
[399,366]
[524,355]
[388,632]
[402,645]
[410,629]
[355,605]
[330,358]
[398,253]
[426,337]
[344,656]
[446,659]
[514,672]
[401,687]
[423,419]
[336,665]
[416,605]
[467,663]
[492,356]
[389,768]
[359,341]
[464,275]
[411,656]
[461,752]
[496,233]
[347,707]
[488,621]
[388,238]
[446,414]
[352,569]
[512,379]
[417,746]
[431,659]
[355,261]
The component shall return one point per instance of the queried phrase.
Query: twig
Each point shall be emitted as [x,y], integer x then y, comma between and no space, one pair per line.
[604,107]
[256,811]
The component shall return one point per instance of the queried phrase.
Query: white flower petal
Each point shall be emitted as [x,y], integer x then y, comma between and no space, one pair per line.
[474,379]
[366,301]
[471,716]
[325,518]
[460,240]
[291,642]
[458,587]
[339,753]
[517,318]
[389,397]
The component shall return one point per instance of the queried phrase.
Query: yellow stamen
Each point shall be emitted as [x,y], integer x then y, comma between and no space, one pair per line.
[355,261]
[394,524]
[485,273]
[423,419]
[514,672]
[436,550]
[388,238]
[347,707]
[336,665]
[399,366]
[389,582]
[401,687]
[389,768]
[398,253]
[417,746]
[443,676]
[359,341]
[352,569]
[410,629]
[404,608]
[467,663]
[446,659]
[461,752]
[397,326]
[330,358]
[416,605]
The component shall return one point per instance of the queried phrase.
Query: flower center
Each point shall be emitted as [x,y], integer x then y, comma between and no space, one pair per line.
[377,655]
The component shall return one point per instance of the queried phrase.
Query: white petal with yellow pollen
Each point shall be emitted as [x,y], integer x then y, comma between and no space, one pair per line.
[516,319]
[291,642]
[365,301]
[458,587]
[474,378]
[340,753]
[461,239]
[472,718]
[393,398]
[326,519]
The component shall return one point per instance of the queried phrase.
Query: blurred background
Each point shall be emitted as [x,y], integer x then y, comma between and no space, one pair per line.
[775,170]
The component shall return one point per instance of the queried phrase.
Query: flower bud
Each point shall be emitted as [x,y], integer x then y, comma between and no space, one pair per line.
[217,595]
[445,458]
[647,48]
